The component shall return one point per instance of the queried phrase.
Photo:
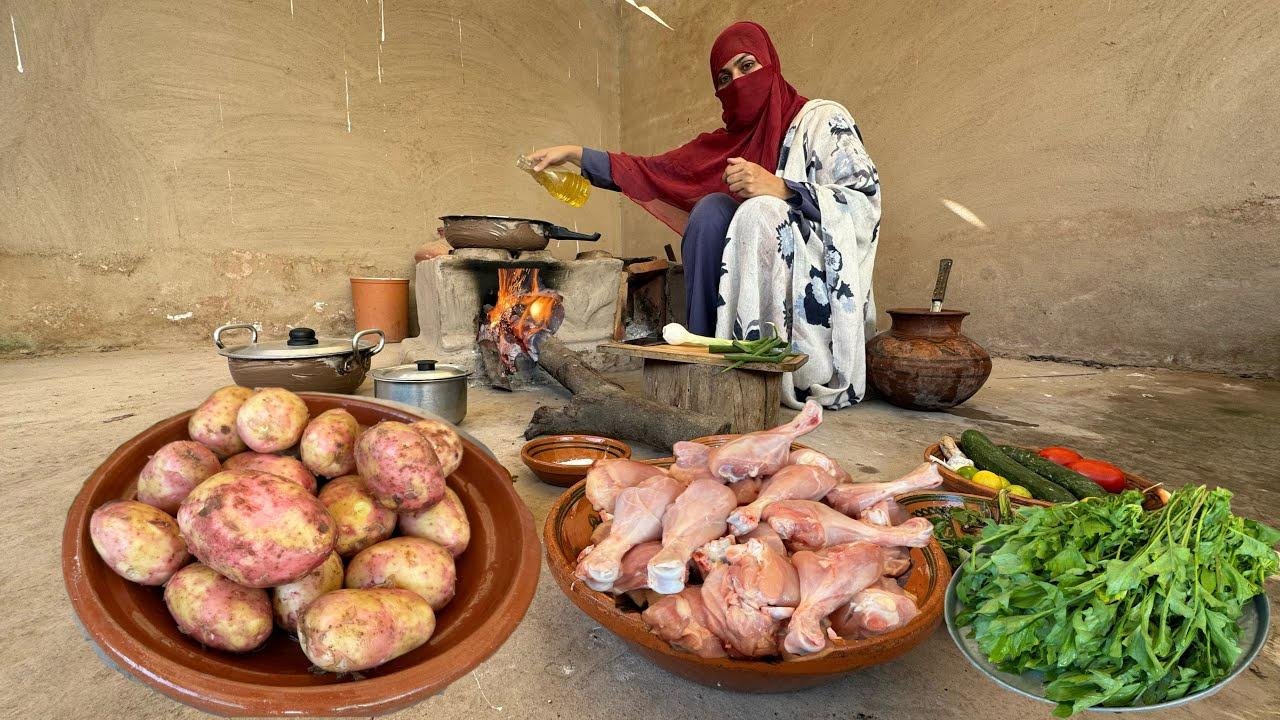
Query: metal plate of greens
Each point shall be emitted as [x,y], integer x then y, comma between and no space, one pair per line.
[1097,604]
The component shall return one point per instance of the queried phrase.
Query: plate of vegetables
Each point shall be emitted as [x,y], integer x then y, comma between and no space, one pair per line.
[1099,604]
[974,464]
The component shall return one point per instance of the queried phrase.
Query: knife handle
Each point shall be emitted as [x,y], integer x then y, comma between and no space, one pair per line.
[944,273]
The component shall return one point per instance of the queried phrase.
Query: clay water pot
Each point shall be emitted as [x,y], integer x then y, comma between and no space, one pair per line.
[382,303]
[924,362]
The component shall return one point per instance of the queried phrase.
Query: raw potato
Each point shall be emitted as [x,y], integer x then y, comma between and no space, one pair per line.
[328,445]
[257,529]
[271,420]
[408,563]
[399,467]
[137,541]
[444,440]
[444,523]
[173,472]
[360,520]
[290,600]
[286,467]
[350,630]
[217,612]
[213,424]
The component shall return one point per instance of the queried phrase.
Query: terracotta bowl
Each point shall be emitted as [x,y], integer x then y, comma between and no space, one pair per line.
[497,576]
[1155,496]
[568,530]
[545,456]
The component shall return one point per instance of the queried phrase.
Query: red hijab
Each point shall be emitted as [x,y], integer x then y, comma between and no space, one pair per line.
[758,108]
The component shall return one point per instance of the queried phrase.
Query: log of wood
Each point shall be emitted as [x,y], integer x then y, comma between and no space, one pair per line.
[602,407]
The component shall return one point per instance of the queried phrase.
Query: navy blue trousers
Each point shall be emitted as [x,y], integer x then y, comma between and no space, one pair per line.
[700,250]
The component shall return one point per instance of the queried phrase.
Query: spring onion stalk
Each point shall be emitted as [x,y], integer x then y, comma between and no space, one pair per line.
[677,334]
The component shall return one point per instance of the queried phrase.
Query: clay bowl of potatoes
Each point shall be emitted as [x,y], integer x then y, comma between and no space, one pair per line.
[752,564]
[272,553]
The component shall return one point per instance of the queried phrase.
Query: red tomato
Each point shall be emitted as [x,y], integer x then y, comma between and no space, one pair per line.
[1060,455]
[1108,476]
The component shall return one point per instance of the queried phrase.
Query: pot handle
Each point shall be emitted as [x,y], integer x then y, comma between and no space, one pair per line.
[559,232]
[382,341]
[217,334]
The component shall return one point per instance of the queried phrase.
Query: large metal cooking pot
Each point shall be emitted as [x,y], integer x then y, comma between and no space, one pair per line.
[432,386]
[505,233]
[303,362]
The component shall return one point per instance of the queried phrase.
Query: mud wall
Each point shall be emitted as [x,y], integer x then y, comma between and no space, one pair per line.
[1123,156]
[167,167]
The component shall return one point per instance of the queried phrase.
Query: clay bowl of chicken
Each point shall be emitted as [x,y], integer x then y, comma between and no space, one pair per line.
[754,566]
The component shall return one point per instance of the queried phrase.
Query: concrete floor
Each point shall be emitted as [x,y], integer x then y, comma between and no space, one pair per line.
[65,414]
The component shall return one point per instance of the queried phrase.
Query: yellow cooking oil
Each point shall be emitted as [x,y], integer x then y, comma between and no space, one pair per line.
[567,187]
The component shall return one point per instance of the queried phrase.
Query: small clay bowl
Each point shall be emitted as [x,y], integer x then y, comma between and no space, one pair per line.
[1154,496]
[558,459]
[497,577]
[568,529]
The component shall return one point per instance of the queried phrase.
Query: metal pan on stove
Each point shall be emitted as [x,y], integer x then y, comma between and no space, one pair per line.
[505,233]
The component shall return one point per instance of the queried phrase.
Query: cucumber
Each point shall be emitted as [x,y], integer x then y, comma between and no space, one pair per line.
[987,456]
[1072,481]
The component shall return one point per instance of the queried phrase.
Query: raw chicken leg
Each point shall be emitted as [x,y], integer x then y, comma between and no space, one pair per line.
[691,462]
[806,456]
[634,569]
[897,560]
[746,491]
[608,478]
[793,482]
[760,454]
[808,525]
[695,518]
[637,518]
[748,597]
[876,610]
[829,578]
[681,620]
[852,498]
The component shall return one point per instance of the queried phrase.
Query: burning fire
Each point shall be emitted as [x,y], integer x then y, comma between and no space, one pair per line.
[523,312]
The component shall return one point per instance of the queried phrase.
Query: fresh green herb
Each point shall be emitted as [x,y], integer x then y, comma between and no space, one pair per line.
[1116,606]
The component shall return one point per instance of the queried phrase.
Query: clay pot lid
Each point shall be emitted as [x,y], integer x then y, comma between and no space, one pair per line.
[421,371]
[302,344]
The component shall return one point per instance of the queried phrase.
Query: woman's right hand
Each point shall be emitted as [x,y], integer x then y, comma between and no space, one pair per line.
[556,155]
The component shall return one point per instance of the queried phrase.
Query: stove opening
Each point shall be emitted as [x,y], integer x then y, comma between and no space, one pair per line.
[521,314]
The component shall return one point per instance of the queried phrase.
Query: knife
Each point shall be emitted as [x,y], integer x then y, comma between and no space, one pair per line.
[940,288]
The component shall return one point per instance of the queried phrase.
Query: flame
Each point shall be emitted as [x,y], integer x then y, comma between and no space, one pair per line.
[523,310]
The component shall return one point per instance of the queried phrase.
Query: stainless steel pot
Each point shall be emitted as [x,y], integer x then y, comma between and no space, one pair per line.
[432,386]
[303,362]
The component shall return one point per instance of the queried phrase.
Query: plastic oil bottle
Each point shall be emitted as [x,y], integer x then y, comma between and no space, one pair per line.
[567,187]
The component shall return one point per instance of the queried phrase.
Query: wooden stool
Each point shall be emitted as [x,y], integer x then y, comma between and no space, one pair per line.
[691,378]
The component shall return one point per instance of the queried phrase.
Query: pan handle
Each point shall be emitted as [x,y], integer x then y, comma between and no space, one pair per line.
[217,333]
[559,232]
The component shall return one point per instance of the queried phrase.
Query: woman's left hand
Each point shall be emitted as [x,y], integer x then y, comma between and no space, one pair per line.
[747,180]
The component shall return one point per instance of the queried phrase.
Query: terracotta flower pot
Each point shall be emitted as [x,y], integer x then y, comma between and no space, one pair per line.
[924,362]
[382,303]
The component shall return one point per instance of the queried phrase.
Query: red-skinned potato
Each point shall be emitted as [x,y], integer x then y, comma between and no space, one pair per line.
[290,600]
[271,420]
[350,630]
[399,467]
[213,424]
[173,472]
[257,529]
[444,523]
[217,612]
[360,520]
[138,541]
[444,441]
[290,469]
[328,444]
[408,563]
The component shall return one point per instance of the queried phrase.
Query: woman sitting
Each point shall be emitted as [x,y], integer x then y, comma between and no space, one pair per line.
[779,212]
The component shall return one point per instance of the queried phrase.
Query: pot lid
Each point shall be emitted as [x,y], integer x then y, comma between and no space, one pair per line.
[422,371]
[301,345]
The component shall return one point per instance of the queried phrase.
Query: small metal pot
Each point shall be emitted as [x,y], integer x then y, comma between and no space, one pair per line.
[432,386]
[303,362]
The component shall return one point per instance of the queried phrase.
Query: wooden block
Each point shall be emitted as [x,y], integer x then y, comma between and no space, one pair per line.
[700,355]
[749,399]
